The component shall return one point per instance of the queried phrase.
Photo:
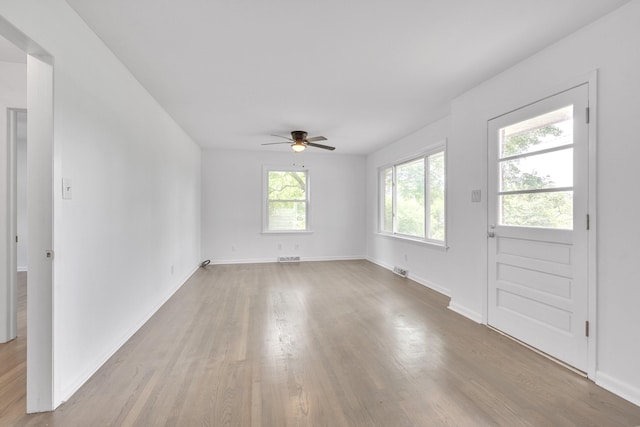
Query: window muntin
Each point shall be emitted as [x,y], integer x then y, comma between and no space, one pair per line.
[413,197]
[287,194]
[536,171]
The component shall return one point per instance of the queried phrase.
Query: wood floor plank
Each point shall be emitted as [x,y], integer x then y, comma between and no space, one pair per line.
[317,344]
[13,356]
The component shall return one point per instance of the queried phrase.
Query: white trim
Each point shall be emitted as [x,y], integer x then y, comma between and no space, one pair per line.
[421,281]
[287,232]
[591,79]
[244,261]
[43,159]
[435,244]
[274,260]
[466,312]
[265,198]
[68,391]
[9,330]
[431,285]
[333,258]
[592,255]
[430,149]
[40,380]
[619,388]
[435,148]
[22,269]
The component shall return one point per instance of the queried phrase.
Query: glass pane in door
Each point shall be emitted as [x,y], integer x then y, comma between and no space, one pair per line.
[535,175]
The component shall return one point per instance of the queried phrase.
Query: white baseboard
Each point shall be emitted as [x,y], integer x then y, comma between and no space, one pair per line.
[275,259]
[243,261]
[424,282]
[620,388]
[429,284]
[464,311]
[336,258]
[380,263]
[69,391]
[23,268]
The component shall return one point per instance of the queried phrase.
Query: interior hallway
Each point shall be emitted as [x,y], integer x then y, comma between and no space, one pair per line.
[319,343]
[13,363]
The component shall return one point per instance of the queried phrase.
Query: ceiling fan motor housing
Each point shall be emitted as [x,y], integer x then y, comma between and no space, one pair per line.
[299,135]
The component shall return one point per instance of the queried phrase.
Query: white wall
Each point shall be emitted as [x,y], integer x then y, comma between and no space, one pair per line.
[610,46]
[426,264]
[13,94]
[232,207]
[130,235]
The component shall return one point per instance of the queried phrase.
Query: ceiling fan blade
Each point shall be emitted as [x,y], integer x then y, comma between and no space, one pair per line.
[326,147]
[280,136]
[274,143]
[316,138]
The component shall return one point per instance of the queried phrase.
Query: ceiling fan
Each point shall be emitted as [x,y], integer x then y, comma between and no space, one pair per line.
[299,141]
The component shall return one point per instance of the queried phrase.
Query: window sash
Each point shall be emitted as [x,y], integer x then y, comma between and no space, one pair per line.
[433,209]
[410,221]
[277,223]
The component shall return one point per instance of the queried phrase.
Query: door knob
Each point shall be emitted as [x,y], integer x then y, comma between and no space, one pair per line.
[491,234]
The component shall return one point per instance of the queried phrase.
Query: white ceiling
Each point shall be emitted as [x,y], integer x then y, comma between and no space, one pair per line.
[363,73]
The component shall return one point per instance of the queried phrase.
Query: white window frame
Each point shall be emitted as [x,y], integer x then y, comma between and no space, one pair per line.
[265,198]
[439,147]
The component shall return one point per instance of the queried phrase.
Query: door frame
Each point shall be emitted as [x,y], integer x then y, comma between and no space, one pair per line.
[591,79]
[40,155]
[12,216]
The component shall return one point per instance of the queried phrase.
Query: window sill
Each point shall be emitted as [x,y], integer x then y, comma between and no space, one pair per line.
[287,232]
[439,246]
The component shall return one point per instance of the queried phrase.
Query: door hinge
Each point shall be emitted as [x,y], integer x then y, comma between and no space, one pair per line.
[587,115]
[586,328]
[588,222]
[16,239]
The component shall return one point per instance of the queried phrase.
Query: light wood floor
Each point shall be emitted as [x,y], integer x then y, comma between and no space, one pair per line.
[13,364]
[320,344]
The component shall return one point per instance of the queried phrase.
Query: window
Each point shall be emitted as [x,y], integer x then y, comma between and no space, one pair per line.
[287,200]
[536,171]
[413,197]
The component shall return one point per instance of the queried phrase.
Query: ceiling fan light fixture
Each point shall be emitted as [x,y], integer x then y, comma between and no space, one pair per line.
[299,141]
[298,146]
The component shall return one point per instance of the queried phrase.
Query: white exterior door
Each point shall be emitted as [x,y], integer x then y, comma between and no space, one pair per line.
[538,225]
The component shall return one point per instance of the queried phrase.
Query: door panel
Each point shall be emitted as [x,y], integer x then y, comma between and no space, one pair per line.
[537,246]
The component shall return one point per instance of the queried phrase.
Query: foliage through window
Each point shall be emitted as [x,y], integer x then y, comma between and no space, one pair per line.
[287,200]
[536,171]
[413,197]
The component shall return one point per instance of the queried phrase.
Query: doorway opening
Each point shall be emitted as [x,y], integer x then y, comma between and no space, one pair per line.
[38,75]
